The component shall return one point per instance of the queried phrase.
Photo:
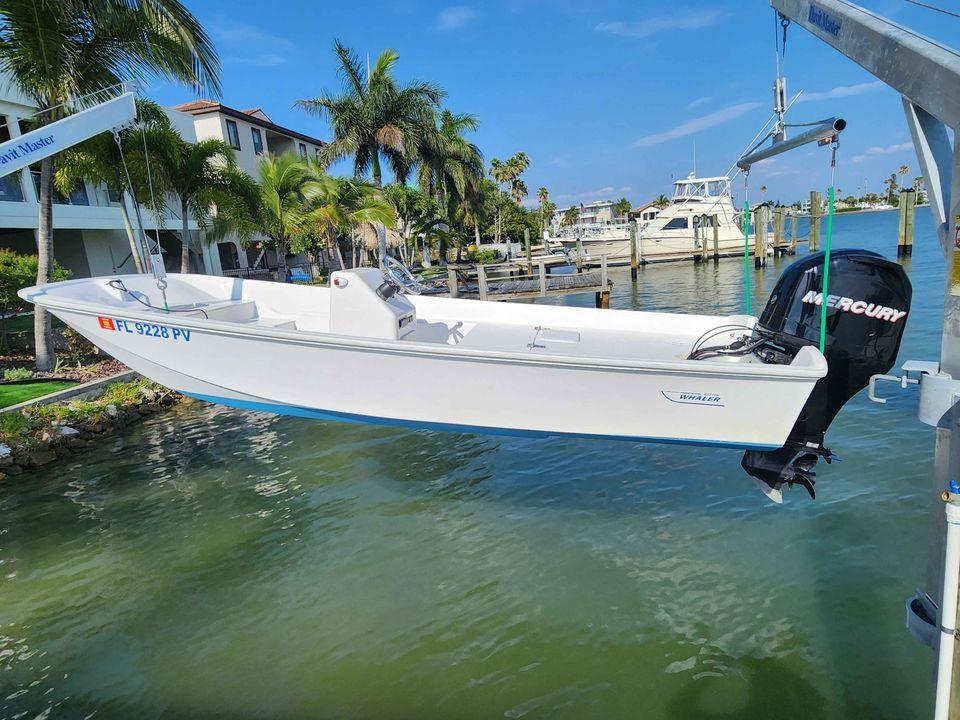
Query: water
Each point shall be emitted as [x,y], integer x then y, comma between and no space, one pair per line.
[218,563]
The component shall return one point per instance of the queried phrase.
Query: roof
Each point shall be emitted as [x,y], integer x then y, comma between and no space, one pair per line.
[641,208]
[251,115]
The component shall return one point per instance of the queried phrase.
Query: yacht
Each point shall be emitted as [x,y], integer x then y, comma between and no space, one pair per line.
[672,234]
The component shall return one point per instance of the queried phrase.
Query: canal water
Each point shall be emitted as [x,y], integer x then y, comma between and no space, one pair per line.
[223,564]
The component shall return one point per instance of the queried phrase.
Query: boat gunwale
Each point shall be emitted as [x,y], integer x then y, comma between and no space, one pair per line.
[406,347]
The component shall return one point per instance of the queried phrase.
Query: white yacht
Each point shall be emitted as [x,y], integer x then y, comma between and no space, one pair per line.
[671,235]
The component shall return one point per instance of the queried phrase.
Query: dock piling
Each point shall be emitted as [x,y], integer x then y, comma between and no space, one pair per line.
[482,282]
[761,220]
[579,254]
[793,234]
[526,244]
[816,208]
[452,282]
[778,228]
[542,275]
[908,205]
[702,230]
[603,296]
[633,250]
[716,239]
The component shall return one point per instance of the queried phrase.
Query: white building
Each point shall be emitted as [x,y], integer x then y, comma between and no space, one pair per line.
[250,133]
[88,230]
[600,212]
[89,234]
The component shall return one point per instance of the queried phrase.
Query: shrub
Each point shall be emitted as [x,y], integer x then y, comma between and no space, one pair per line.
[12,374]
[484,257]
[17,272]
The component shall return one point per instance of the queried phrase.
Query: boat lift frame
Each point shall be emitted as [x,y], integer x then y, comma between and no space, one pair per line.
[927,76]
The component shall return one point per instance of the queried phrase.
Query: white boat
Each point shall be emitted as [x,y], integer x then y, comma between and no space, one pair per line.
[671,234]
[501,367]
[504,367]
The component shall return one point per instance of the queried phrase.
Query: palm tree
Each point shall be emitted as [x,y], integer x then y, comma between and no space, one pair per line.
[199,175]
[375,118]
[340,205]
[918,183]
[276,207]
[501,172]
[451,167]
[662,201]
[891,184]
[543,197]
[63,54]
[903,172]
[517,164]
[622,208]
[570,216]
[100,161]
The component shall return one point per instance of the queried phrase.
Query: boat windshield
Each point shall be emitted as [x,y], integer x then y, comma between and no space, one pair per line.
[694,189]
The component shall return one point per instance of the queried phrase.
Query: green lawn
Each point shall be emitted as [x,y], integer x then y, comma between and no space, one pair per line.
[21,392]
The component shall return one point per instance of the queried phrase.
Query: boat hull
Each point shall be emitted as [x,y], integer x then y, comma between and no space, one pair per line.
[371,382]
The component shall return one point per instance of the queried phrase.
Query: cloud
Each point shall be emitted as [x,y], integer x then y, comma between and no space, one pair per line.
[883,150]
[608,192]
[267,60]
[842,91]
[697,124]
[699,101]
[654,26]
[455,17]
[239,41]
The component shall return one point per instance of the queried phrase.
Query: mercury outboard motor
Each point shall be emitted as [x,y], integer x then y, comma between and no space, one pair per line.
[867,306]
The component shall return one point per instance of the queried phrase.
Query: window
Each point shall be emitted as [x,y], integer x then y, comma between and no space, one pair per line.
[676,224]
[303,151]
[316,152]
[257,141]
[233,135]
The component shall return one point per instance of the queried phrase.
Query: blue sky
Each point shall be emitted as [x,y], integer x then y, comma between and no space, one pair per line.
[607,98]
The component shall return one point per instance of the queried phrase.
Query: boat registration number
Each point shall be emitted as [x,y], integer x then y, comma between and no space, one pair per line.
[163,332]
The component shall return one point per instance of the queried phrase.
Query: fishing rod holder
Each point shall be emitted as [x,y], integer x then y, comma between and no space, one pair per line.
[939,391]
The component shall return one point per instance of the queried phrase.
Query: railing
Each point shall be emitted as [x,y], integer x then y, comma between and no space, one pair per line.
[483,280]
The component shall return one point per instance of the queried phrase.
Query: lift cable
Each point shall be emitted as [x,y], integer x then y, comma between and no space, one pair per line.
[934,8]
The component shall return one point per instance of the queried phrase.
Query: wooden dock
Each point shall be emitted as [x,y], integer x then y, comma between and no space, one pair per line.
[481,282]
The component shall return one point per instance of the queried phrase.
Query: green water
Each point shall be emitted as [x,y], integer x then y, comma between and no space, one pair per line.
[223,564]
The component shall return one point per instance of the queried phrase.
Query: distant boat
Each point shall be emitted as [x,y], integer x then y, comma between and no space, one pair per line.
[671,234]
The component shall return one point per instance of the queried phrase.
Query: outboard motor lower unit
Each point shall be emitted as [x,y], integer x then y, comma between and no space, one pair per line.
[868,303]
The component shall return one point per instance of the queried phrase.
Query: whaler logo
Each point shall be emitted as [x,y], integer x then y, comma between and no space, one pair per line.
[823,20]
[857,307]
[693,398]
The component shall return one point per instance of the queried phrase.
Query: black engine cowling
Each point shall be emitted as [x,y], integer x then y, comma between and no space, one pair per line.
[868,304]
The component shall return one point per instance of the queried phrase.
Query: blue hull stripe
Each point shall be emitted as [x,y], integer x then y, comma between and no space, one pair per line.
[303,412]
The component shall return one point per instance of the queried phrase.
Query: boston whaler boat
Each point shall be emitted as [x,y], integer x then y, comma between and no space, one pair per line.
[732,381]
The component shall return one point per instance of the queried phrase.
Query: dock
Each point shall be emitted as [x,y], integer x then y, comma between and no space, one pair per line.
[482,282]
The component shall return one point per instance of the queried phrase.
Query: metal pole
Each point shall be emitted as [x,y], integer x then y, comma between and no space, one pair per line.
[948,604]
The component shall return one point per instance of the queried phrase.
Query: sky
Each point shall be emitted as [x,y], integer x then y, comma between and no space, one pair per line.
[609,98]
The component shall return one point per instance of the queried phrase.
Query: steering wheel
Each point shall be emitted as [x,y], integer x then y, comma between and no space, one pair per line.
[396,272]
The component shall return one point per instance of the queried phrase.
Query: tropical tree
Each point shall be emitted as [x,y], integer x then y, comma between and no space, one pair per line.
[891,185]
[570,216]
[451,167]
[374,118]
[335,206]
[518,164]
[543,197]
[662,201]
[918,183]
[276,207]
[902,171]
[622,207]
[63,54]
[100,160]
[199,175]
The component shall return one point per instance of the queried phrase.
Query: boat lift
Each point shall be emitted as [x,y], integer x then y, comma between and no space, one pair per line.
[927,76]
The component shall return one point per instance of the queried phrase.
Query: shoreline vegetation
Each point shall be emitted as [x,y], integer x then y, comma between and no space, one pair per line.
[38,435]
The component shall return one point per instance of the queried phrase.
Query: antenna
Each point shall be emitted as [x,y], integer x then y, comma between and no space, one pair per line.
[694,158]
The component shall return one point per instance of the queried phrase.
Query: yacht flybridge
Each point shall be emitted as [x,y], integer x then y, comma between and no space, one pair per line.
[502,367]
[671,234]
